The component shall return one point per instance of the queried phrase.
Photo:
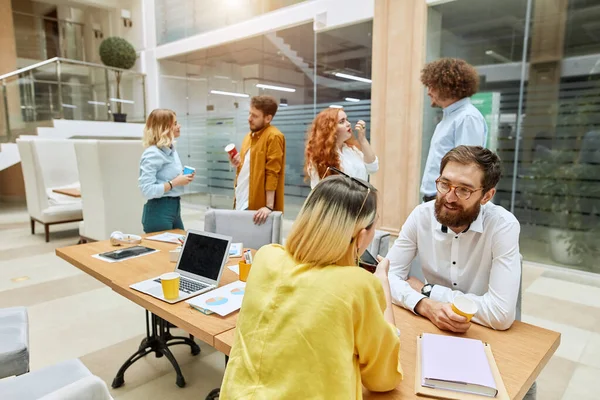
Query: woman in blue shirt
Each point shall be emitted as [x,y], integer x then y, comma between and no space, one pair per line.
[161,179]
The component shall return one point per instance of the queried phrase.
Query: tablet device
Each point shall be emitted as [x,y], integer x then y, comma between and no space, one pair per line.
[368,262]
[128,252]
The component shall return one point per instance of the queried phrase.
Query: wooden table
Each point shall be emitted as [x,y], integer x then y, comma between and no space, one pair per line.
[68,192]
[119,275]
[520,352]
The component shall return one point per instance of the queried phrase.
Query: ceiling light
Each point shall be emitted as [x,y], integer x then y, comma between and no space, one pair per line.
[68,105]
[352,99]
[122,100]
[497,56]
[280,88]
[335,106]
[229,93]
[99,103]
[354,78]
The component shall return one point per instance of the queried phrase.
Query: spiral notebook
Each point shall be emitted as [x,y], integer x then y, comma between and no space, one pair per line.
[455,368]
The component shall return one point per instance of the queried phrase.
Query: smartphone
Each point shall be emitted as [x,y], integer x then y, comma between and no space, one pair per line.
[368,262]
[188,170]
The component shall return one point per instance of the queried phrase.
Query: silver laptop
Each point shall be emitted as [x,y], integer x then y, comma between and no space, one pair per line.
[200,265]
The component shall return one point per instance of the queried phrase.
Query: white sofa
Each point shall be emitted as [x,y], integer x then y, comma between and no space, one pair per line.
[68,380]
[49,164]
[112,201]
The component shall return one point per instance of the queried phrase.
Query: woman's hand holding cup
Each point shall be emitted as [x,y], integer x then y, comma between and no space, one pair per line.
[183,180]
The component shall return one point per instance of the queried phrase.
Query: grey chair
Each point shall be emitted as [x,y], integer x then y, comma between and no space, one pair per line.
[68,380]
[240,226]
[14,342]
[380,244]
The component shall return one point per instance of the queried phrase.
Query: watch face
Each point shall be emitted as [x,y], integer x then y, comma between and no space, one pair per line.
[426,289]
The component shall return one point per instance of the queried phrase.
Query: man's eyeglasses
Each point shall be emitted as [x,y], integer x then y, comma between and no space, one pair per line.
[461,192]
[370,188]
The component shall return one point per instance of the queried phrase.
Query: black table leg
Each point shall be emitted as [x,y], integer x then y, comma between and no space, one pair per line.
[158,339]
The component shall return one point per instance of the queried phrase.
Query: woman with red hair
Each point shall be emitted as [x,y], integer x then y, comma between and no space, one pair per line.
[331,144]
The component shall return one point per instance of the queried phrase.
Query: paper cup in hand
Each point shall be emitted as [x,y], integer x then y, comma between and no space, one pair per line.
[170,285]
[230,148]
[464,306]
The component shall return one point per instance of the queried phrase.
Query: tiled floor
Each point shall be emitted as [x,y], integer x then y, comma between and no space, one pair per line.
[74,316]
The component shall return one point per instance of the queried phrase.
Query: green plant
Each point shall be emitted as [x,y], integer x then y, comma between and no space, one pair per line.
[117,52]
[568,192]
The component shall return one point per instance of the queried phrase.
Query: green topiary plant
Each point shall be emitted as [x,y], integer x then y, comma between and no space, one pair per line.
[117,52]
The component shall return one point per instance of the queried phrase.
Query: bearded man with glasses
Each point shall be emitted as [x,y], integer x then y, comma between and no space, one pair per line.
[466,244]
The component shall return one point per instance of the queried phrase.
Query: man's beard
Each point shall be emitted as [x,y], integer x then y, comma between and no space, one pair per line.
[460,217]
[257,127]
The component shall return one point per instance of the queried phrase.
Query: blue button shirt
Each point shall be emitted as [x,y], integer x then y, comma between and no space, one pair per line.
[158,166]
[462,124]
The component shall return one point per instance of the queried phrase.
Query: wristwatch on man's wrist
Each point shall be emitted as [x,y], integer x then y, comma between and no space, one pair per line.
[426,290]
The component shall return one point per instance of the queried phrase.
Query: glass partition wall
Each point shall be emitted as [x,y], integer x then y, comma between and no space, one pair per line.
[305,71]
[539,64]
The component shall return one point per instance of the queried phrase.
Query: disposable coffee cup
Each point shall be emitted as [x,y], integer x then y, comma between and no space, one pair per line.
[170,285]
[230,148]
[464,306]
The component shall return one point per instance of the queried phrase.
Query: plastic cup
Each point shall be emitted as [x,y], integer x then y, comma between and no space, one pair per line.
[244,270]
[231,150]
[464,306]
[170,285]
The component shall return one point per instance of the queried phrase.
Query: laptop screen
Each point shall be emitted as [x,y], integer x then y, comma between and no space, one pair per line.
[203,255]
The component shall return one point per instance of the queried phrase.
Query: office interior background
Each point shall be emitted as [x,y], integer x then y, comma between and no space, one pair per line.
[538,60]
[539,63]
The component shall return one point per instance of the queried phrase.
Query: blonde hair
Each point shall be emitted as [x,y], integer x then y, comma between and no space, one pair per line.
[159,128]
[325,231]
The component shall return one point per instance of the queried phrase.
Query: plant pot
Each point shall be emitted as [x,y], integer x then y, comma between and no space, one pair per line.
[560,240]
[119,117]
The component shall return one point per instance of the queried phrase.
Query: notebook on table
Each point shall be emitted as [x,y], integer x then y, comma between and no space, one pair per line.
[450,367]
[200,265]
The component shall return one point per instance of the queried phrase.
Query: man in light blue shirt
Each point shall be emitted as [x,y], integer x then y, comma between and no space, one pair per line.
[450,83]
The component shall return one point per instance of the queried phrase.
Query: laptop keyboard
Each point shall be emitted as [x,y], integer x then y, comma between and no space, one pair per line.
[188,286]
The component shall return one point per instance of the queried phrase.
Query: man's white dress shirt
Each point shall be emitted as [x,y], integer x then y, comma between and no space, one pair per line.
[482,262]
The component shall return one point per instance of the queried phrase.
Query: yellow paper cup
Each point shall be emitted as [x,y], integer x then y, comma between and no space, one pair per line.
[244,270]
[464,306]
[170,285]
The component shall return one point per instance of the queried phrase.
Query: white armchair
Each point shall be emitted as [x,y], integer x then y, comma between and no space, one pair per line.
[112,201]
[68,380]
[48,164]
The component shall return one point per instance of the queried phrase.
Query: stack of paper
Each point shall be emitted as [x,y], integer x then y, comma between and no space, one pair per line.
[222,301]
[235,249]
[457,364]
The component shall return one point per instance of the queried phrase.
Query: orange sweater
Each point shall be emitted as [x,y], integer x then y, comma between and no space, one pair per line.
[267,166]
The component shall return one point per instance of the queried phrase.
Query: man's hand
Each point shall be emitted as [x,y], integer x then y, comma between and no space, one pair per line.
[235,161]
[261,215]
[415,284]
[442,316]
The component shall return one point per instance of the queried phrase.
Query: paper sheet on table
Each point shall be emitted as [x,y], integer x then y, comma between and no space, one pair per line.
[235,268]
[223,300]
[168,237]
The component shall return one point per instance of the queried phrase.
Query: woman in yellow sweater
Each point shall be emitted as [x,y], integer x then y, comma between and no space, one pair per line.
[314,325]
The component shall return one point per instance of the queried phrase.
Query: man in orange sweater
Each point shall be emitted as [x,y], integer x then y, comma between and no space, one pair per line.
[260,164]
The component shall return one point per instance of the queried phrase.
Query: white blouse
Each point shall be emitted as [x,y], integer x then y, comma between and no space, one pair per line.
[352,162]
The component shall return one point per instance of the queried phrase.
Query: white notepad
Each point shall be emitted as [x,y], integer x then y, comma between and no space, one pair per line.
[457,364]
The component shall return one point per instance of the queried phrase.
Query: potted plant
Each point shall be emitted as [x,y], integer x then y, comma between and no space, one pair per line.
[117,52]
[567,192]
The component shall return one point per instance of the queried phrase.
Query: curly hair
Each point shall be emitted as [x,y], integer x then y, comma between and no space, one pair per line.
[452,78]
[159,127]
[321,151]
